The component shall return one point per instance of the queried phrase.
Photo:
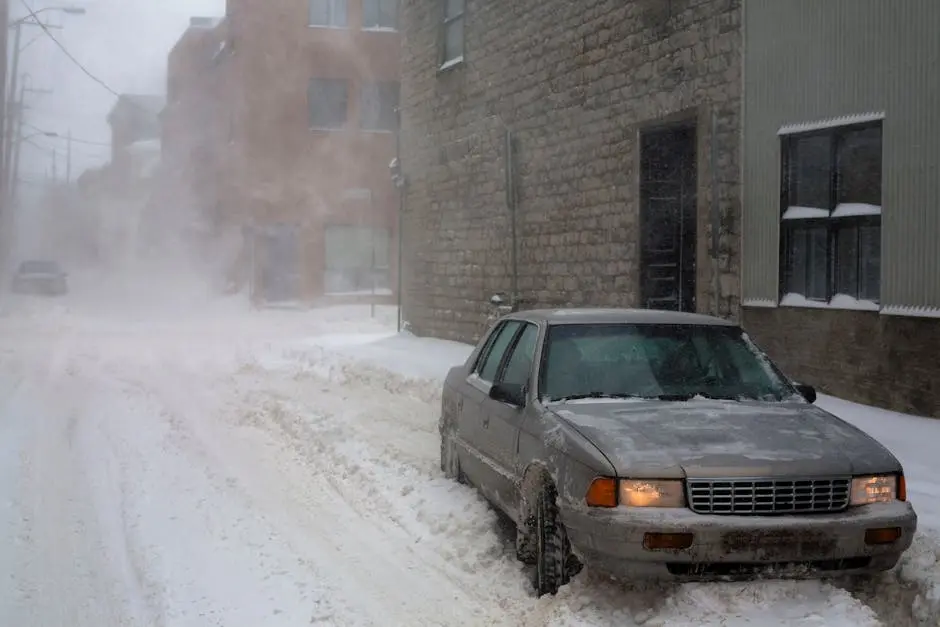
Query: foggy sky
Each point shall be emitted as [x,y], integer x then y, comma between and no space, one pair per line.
[122,42]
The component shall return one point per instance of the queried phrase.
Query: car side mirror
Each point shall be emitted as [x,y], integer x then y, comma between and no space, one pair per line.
[508,393]
[806,391]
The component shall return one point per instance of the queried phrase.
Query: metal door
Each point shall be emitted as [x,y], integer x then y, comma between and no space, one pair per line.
[668,219]
[281,278]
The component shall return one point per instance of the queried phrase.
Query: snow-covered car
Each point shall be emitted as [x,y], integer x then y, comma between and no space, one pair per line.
[664,445]
[46,278]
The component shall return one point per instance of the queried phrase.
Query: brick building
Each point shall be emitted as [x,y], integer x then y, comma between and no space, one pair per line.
[621,125]
[313,96]
[197,125]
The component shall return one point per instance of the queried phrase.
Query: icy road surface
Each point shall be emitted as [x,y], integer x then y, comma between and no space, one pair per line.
[238,468]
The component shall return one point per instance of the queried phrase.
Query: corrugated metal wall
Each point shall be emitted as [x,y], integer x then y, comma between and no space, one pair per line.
[811,60]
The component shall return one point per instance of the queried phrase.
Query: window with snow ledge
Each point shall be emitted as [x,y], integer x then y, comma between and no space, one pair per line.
[452,33]
[380,15]
[328,13]
[831,217]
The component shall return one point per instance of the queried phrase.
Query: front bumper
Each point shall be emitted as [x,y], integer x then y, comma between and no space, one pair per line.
[735,547]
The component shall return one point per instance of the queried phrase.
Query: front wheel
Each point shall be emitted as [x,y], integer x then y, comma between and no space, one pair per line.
[553,558]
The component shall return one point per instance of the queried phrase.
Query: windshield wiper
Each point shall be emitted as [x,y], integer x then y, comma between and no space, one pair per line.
[578,397]
[689,396]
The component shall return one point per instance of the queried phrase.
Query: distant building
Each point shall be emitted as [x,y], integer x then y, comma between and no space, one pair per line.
[841,267]
[133,118]
[197,128]
[309,96]
[560,153]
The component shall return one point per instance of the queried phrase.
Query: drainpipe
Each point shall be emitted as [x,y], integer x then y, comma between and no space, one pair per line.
[716,216]
[400,184]
[511,205]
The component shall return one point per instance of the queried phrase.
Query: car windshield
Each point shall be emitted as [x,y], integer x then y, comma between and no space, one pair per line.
[668,362]
[39,267]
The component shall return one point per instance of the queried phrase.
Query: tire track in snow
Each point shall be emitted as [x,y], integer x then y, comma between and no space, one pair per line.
[68,563]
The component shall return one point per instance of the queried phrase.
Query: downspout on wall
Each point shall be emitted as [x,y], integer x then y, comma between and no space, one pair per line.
[511,204]
[716,218]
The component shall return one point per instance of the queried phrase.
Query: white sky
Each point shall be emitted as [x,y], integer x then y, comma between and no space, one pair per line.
[122,42]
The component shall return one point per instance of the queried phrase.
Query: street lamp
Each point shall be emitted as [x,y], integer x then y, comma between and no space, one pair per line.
[65,9]
[39,134]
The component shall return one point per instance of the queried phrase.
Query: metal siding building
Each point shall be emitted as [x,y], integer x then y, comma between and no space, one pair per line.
[813,64]
[808,61]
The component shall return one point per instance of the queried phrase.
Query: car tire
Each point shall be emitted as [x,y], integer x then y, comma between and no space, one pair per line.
[526,547]
[553,558]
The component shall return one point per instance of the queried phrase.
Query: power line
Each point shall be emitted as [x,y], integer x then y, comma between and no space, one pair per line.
[65,50]
[76,140]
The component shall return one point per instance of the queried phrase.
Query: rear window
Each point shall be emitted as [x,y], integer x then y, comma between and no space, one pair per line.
[39,267]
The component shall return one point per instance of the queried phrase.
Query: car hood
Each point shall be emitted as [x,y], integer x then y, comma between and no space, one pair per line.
[706,438]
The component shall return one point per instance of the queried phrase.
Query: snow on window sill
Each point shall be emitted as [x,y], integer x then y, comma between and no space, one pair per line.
[326,129]
[804,213]
[912,312]
[379,291]
[765,303]
[803,127]
[798,300]
[381,131]
[327,26]
[839,301]
[380,29]
[451,63]
[844,301]
[848,209]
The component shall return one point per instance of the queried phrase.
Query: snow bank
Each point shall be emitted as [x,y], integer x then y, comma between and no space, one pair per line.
[405,365]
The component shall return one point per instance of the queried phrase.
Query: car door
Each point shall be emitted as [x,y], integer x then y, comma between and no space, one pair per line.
[503,421]
[478,465]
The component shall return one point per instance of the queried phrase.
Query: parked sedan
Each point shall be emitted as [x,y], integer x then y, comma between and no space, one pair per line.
[40,277]
[664,445]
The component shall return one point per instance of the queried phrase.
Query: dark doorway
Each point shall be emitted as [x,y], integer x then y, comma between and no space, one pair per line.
[668,219]
[279,261]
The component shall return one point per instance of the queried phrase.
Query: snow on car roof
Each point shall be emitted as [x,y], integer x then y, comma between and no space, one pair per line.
[596,315]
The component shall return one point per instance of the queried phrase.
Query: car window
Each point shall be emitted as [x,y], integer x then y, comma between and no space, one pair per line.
[520,362]
[489,365]
[656,361]
[39,267]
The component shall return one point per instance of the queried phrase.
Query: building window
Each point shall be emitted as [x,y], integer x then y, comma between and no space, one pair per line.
[452,32]
[380,14]
[379,106]
[328,13]
[329,103]
[831,222]
[357,260]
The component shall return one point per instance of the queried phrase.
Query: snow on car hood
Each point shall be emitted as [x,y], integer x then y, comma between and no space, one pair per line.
[707,438]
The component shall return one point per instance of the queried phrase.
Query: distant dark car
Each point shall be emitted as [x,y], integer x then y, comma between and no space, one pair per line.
[45,278]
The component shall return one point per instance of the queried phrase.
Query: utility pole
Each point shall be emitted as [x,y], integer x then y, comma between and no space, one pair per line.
[4,95]
[68,159]
[7,156]
[15,144]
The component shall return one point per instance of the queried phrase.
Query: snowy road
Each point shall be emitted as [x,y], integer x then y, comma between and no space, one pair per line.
[245,469]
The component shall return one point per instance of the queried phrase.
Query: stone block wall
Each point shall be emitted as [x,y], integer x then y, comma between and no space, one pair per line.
[576,83]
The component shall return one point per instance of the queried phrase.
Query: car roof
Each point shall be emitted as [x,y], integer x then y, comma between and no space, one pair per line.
[596,315]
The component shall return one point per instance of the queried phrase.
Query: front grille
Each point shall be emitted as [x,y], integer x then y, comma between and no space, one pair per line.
[765,497]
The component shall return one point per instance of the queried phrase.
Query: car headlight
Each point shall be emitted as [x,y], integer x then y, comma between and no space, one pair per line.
[651,493]
[874,489]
